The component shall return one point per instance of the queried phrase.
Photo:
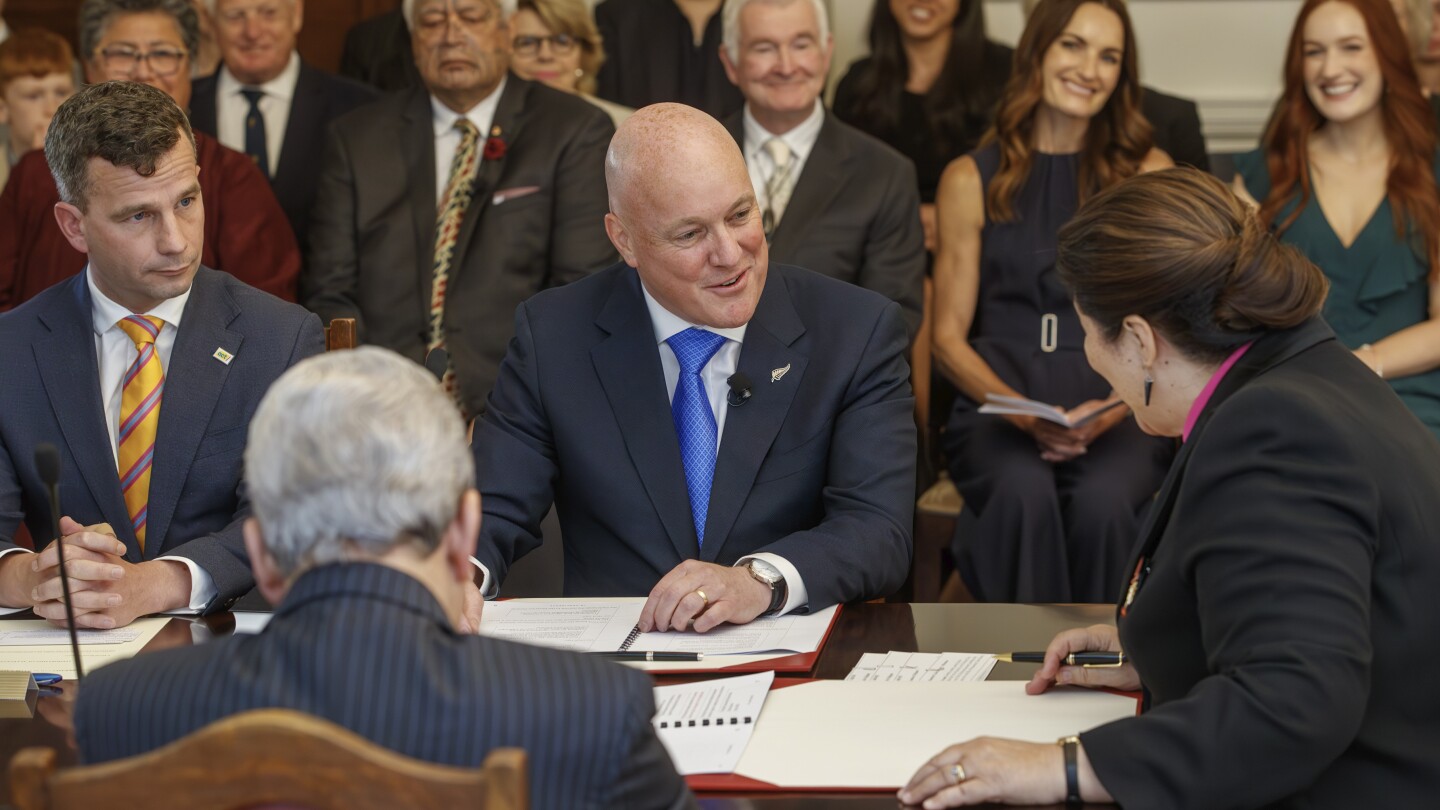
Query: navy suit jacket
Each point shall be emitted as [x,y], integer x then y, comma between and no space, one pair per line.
[369,648]
[51,393]
[817,466]
[319,99]
[854,215]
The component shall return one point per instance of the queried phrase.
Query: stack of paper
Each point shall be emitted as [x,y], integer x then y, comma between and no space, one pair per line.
[706,725]
[32,645]
[918,666]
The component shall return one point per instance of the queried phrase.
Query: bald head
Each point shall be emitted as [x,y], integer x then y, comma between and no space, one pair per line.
[683,213]
[661,143]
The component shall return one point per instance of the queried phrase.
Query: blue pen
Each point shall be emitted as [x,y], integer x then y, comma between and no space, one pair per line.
[46,678]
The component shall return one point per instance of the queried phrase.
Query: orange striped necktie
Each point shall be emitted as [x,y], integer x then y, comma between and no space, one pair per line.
[139,417]
[459,189]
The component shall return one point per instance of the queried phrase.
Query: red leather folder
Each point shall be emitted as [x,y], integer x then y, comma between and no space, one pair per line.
[799,663]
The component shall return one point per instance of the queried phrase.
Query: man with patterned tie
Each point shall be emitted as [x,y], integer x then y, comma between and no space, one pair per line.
[835,200]
[731,438]
[143,370]
[441,208]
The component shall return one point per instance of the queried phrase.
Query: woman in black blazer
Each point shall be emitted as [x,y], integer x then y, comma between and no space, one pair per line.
[1284,599]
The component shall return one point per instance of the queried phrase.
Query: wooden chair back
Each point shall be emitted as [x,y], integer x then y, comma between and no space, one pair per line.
[340,334]
[269,757]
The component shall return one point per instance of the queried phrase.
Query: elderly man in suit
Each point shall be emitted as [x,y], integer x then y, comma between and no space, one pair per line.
[268,103]
[731,437]
[368,564]
[442,208]
[144,370]
[833,199]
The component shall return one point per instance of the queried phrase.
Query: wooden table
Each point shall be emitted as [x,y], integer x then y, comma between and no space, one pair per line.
[860,629]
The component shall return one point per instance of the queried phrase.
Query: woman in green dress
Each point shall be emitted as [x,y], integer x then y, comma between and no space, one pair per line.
[1347,174]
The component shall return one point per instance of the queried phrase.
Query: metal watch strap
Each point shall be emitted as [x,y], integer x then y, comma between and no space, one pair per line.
[1071,747]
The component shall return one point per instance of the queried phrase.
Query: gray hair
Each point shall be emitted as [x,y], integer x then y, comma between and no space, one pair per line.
[407,9]
[730,22]
[126,124]
[97,15]
[355,453]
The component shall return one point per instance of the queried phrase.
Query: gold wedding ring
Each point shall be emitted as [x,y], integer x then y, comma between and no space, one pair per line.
[958,771]
[703,598]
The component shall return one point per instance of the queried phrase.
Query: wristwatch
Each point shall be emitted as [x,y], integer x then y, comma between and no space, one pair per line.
[771,577]
[1071,747]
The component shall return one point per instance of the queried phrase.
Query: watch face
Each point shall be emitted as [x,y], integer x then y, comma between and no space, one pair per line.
[765,571]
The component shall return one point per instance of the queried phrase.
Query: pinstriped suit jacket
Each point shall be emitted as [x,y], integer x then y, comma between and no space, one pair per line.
[368,647]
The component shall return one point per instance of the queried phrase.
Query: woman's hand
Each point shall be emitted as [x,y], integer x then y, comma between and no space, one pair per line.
[1098,637]
[993,770]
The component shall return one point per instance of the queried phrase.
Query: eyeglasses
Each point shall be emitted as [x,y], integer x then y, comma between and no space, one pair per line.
[560,44]
[124,59]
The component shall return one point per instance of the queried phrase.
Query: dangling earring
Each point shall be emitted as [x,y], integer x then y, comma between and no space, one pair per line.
[1149,383]
[579,72]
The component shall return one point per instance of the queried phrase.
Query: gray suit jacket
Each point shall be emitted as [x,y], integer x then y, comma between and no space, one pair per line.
[51,393]
[854,215]
[537,221]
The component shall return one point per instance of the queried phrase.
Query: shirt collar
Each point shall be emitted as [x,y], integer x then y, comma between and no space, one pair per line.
[106,313]
[801,139]
[481,115]
[281,87]
[667,324]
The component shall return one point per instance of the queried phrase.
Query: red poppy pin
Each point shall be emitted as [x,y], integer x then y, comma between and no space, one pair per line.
[494,148]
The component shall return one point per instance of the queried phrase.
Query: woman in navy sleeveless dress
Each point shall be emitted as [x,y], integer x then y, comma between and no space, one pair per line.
[1051,511]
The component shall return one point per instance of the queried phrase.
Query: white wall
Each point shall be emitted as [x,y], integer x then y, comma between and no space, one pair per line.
[1224,54]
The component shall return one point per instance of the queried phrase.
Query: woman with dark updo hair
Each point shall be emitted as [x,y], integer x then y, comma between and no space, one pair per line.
[1282,599]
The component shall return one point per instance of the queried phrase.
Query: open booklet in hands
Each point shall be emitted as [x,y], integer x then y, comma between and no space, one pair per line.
[1019,406]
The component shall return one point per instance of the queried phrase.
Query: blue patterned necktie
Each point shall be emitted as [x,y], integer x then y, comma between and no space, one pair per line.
[694,420]
[255,145]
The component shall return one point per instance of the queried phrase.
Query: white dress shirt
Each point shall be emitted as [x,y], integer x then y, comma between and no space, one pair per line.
[801,141]
[447,138]
[232,108]
[114,352]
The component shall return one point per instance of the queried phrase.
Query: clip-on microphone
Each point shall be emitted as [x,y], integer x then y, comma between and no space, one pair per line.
[739,389]
[436,361]
[47,463]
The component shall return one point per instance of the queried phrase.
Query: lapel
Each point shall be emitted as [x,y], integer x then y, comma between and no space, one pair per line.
[193,383]
[66,357]
[816,187]
[628,365]
[203,103]
[1268,352]
[508,120]
[751,429]
[301,146]
[415,140]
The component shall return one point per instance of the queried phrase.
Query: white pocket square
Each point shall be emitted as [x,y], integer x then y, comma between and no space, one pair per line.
[507,194]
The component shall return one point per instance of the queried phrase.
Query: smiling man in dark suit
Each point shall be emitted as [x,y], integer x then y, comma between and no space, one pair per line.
[143,370]
[442,208]
[267,102]
[834,200]
[621,402]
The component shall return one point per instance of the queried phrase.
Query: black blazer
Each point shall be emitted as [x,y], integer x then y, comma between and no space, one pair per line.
[1291,606]
[854,215]
[1177,127]
[319,99]
[369,648]
[51,393]
[818,466]
[537,221]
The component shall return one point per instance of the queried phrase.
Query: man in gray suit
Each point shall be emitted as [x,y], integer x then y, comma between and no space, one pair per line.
[440,209]
[835,200]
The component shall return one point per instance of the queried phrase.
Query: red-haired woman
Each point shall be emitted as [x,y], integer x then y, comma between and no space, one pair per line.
[1055,506]
[1347,174]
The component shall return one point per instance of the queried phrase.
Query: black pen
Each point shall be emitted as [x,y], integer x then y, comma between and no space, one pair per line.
[1080,659]
[642,655]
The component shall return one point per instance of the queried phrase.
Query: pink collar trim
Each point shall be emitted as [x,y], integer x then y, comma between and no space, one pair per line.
[1209,391]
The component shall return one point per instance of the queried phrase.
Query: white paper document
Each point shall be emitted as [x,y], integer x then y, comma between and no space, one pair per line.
[918,666]
[1001,404]
[48,655]
[607,625]
[706,725]
[872,735]
[50,634]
